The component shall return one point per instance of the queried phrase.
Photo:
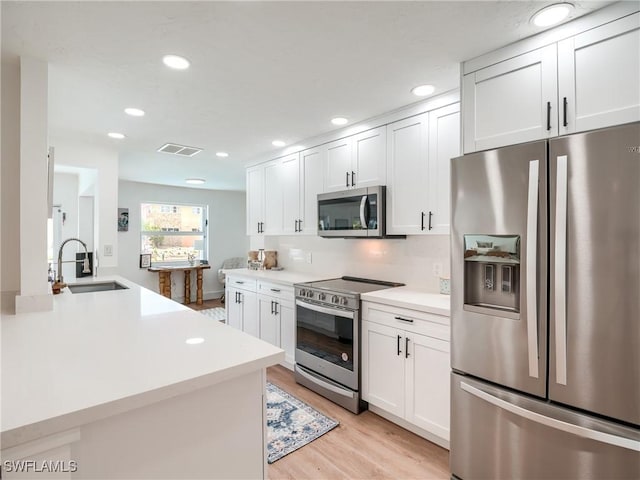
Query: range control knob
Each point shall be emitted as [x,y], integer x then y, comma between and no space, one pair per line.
[322,296]
[334,299]
[309,293]
[343,300]
[302,292]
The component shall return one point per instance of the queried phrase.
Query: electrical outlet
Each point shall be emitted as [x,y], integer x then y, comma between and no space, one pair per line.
[437,269]
[108,250]
[309,257]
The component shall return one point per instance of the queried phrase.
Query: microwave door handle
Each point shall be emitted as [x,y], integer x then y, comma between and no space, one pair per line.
[363,204]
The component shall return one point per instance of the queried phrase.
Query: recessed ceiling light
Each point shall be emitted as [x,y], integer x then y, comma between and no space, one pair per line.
[134,112]
[423,90]
[174,61]
[194,340]
[552,14]
[339,121]
[195,181]
[278,143]
[117,135]
[222,154]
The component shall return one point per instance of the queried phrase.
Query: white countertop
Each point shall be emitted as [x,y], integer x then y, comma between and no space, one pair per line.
[99,354]
[286,277]
[408,297]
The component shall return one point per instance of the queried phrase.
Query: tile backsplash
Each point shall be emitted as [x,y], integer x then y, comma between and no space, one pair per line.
[418,261]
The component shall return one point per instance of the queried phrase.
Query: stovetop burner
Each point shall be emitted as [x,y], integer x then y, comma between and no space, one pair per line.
[343,292]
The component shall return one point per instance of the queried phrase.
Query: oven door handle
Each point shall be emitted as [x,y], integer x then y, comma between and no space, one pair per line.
[329,311]
[324,383]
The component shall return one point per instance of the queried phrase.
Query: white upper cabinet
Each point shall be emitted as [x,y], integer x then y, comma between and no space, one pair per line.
[273,198]
[357,161]
[337,173]
[444,144]
[585,78]
[599,76]
[511,102]
[312,162]
[419,153]
[407,175]
[290,185]
[255,200]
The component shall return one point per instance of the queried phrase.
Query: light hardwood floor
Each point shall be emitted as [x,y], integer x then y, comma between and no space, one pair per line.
[363,446]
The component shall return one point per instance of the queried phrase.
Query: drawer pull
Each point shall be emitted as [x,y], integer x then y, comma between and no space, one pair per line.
[277,290]
[408,320]
[239,282]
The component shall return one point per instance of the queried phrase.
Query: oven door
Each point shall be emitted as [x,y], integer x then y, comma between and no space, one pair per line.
[327,341]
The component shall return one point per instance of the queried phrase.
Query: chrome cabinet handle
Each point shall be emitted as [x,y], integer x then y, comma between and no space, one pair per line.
[422,221]
[408,320]
[275,308]
[548,116]
[564,112]
[531,263]
[271,307]
[430,215]
[560,271]
[398,346]
[347,182]
[353,179]
[406,347]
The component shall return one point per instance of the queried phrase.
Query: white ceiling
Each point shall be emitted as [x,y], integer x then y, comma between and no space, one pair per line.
[260,70]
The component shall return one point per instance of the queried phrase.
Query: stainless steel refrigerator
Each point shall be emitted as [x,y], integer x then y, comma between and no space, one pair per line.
[545,309]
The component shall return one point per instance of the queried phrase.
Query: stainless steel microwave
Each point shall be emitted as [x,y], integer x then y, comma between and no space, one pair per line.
[357,213]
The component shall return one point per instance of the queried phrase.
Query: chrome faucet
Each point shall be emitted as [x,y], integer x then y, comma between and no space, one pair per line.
[85,262]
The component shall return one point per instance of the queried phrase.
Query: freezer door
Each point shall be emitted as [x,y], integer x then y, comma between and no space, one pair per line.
[500,193]
[497,434]
[594,181]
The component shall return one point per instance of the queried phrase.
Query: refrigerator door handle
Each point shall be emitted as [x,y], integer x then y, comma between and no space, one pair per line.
[552,422]
[560,271]
[531,259]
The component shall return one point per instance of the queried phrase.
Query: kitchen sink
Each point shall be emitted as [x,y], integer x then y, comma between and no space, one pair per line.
[96,287]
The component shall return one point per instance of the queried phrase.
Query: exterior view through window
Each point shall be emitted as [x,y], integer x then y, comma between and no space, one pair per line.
[173,233]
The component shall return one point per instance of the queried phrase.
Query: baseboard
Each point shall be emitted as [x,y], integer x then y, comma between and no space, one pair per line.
[411,427]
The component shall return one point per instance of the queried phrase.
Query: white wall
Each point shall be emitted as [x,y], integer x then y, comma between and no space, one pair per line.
[410,261]
[227,235]
[65,194]
[102,182]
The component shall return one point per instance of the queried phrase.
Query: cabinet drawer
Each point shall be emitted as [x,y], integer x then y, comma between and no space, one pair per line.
[242,283]
[283,292]
[415,321]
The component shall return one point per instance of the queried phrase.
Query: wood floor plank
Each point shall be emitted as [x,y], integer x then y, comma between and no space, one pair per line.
[364,446]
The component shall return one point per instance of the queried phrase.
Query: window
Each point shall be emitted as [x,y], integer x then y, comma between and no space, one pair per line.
[171,233]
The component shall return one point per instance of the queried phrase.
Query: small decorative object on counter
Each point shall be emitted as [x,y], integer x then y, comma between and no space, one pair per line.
[445,286]
[261,258]
[191,257]
[270,259]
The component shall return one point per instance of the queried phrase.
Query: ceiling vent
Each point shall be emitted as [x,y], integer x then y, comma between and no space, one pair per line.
[181,150]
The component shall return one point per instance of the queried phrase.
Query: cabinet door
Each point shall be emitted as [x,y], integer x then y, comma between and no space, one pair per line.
[312,163]
[250,320]
[290,186]
[444,144]
[287,313]
[255,199]
[514,101]
[337,172]
[273,198]
[407,175]
[369,160]
[383,367]
[233,308]
[269,321]
[599,76]
[427,384]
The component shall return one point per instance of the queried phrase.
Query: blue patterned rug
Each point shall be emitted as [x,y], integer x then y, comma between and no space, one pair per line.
[291,423]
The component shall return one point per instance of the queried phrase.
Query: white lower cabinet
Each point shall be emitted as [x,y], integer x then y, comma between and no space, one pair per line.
[276,316]
[405,366]
[241,305]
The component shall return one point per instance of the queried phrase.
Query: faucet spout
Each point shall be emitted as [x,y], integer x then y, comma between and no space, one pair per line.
[85,262]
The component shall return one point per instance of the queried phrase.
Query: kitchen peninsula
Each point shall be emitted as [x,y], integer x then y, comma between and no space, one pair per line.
[129,384]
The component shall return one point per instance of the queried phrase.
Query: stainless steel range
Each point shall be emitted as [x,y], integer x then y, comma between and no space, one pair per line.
[328,337]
